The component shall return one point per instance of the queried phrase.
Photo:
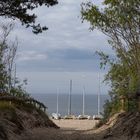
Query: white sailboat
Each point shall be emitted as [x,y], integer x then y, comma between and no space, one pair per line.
[98,116]
[69,116]
[83,116]
[69,99]
[56,115]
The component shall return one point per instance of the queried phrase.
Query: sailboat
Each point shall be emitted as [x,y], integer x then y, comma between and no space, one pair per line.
[69,116]
[98,116]
[56,115]
[83,116]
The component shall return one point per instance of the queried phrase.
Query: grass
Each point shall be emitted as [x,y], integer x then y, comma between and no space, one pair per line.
[6,105]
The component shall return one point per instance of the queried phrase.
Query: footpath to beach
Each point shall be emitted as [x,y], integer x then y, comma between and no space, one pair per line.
[75,124]
[69,130]
[121,126]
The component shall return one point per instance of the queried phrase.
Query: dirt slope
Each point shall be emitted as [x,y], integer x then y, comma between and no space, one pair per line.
[26,125]
[122,126]
[15,121]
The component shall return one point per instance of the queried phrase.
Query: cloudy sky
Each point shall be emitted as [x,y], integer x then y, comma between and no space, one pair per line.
[66,51]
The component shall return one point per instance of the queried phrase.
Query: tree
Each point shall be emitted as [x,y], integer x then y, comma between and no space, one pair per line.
[7,56]
[9,83]
[120,21]
[19,9]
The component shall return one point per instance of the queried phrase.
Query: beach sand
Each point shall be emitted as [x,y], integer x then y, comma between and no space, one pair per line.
[74,124]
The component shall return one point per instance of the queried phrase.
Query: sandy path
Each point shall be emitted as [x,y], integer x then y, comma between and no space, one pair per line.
[76,124]
[69,130]
[53,134]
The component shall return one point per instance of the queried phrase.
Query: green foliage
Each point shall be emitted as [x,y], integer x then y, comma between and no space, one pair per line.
[3,79]
[5,106]
[108,106]
[13,90]
[7,55]
[119,20]
[104,59]
[19,9]
[18,89]
[107,112]
[8,82]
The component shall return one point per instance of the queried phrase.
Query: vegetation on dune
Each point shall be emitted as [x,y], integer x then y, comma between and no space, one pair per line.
[120,21]
[9,83]
[18,111]
[12,92]
[11,89]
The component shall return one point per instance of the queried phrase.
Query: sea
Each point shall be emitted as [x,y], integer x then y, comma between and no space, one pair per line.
[91,103]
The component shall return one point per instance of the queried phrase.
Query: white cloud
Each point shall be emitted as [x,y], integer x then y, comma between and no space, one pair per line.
[65,32]
[30,55]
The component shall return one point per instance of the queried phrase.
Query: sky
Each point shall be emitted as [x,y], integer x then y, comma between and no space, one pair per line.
[66,51]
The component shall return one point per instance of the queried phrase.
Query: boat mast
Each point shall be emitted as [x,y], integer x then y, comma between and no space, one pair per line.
[69,102]
[83,100]
[99,92]
[57,101]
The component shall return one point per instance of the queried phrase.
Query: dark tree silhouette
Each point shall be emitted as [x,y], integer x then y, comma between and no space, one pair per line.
[19,9]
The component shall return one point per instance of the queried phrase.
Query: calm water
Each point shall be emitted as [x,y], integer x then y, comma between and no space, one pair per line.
[76,103]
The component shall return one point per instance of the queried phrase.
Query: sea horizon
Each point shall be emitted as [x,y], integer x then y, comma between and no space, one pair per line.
[50,100]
